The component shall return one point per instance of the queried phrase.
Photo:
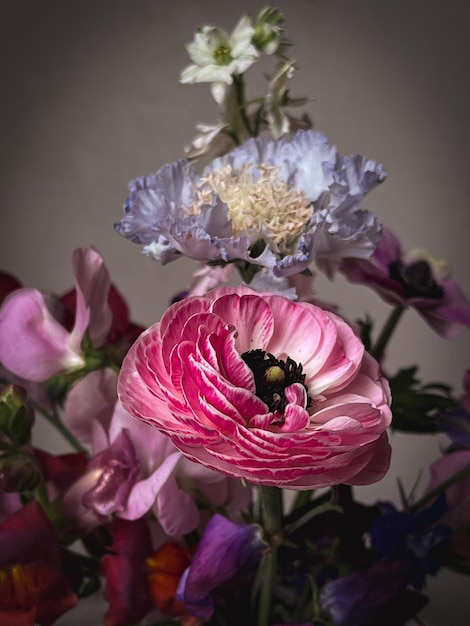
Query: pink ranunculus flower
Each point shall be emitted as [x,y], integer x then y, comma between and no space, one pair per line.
[259,387]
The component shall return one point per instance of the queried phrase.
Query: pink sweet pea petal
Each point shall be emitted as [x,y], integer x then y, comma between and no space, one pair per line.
[33,344]
[92,284]
[94,395]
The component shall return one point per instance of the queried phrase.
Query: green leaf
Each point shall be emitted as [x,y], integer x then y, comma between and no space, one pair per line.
[327,507]
[414,405]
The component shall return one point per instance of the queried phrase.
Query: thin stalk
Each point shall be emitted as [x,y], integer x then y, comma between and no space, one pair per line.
[387,331]
[440,488]
[240,91]
[60,426]
[271,511]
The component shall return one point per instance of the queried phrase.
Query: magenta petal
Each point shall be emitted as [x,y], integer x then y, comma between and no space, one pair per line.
[33,344]
[119,469]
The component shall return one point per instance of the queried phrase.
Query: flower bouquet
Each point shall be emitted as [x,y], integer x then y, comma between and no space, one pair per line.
[213,455]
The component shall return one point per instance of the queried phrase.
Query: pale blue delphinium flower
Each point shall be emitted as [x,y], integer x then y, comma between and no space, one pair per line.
[278,204]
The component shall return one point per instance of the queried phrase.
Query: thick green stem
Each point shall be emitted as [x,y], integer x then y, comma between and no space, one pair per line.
[60,426]
[387,331]
[271,512]
[440,488]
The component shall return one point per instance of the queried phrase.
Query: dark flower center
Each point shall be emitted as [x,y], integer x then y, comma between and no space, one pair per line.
[416,279]
[272,376]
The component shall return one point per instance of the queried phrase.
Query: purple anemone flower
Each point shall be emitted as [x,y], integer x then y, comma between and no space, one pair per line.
[225,549]
[278,204]
[415,280]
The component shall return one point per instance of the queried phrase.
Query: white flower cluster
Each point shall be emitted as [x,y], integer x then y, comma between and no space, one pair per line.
[221,58]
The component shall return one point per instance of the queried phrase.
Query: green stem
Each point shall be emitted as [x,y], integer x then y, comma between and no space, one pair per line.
[387,331]
[271,512]
[60,426]
[240,91]
[440,488]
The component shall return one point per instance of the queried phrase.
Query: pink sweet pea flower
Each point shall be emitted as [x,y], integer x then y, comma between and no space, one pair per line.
[34,345]
[415,280]
[122,332]
[262,388]
[33,589]
[134,468]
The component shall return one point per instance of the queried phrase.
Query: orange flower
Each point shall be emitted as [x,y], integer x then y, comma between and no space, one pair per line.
[165,568]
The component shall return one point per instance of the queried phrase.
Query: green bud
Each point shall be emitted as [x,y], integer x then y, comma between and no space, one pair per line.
[268,30]
[18,472]
[16,415]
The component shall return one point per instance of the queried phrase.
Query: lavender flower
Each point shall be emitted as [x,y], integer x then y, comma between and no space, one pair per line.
[276,204]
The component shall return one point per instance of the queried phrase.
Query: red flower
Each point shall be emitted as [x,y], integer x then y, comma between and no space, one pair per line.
[124,570]
[8,283]
[33,588]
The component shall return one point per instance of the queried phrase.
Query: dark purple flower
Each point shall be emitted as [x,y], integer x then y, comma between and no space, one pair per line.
[417,538]
[364,598]
[415,280]
[296,624]
[458,500]
[225,549]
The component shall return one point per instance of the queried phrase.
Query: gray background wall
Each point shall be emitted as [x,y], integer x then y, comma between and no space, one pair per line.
[91,99]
